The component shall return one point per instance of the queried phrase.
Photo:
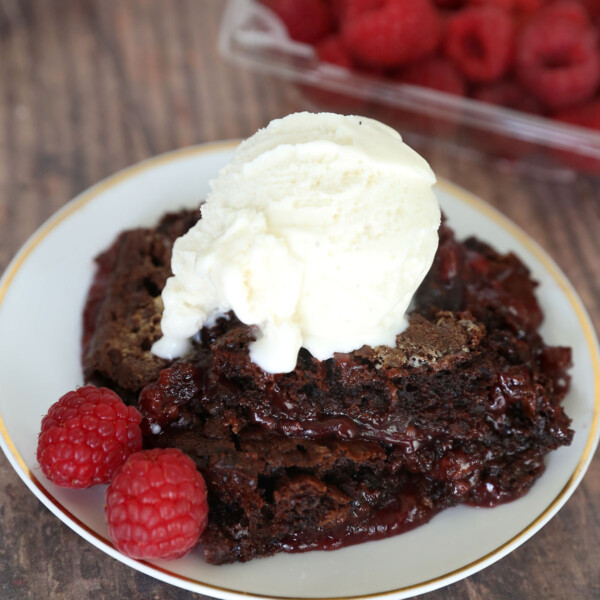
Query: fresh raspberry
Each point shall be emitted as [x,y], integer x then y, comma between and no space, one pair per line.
[306,20]
[86,436]
[333,50]
[156,505]
[558,62]
[509,95]
[480,41]
[438,73]
[397,32]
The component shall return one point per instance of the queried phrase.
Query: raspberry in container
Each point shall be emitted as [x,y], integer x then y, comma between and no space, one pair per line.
[516,82]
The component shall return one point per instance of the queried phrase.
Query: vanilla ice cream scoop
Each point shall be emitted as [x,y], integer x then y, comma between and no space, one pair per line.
[318,232]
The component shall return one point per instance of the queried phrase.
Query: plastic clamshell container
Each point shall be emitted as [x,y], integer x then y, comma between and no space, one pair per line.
[252,36]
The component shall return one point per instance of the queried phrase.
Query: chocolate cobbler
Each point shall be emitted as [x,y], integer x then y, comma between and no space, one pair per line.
[359,447]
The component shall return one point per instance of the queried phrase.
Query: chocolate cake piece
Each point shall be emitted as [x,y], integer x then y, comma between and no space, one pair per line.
[124,306]
[370,443]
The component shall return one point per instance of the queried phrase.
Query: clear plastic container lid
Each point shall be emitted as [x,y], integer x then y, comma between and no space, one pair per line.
[252,35]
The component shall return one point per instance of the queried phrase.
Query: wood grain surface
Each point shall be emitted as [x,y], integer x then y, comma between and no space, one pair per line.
[89,87]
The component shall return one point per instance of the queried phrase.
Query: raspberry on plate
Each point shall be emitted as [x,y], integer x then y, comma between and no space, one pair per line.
[156,505]
[558,62]
[86,436]
[480,41]
[394,33]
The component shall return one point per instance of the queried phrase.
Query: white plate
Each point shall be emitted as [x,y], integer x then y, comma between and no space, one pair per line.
[41,299]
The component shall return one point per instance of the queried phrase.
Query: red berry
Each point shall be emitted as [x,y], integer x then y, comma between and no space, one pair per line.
[156,505]
[558,62]
[480,41]
[86,436]
[306,20]
[437,73]
[397,32]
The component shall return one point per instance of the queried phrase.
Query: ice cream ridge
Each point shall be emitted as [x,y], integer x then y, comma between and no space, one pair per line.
[318,233]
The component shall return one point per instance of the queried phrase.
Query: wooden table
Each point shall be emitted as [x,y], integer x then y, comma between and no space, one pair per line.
[87,88]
